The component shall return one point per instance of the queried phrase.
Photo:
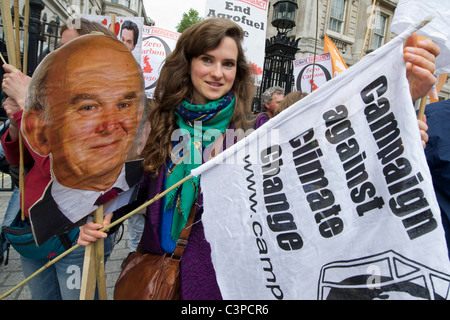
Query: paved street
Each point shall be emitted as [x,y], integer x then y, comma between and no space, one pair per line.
[11,274]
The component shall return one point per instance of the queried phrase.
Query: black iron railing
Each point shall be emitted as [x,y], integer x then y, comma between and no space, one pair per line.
[43,38]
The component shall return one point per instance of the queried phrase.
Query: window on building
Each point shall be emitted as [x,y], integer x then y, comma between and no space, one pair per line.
[379,31]
[337,15]
[127,3]
[115,1]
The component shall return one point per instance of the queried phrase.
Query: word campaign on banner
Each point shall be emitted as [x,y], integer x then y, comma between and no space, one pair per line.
[251,15]
[331,199]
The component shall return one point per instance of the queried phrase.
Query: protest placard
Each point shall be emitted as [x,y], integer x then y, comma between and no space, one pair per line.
[127,29]
[251,15]
[303,72]
[157,44]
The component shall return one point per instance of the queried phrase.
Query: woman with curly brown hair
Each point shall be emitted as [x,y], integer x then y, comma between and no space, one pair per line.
[205,88]
[176,83]
[205,85]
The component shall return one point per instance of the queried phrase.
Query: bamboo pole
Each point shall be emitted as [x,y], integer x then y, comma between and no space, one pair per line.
[146,204]
[315,45]
[88,280]
[26,22]
[120,220]
[112,26]
[11,47]
[3,59]
[9,34]
[421,112]
[48,264]
[17,33]
[94,266]
[99,261]
[368,29]
[21,177]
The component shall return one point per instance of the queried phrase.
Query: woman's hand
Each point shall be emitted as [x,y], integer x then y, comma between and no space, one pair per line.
[420,57]
[90,233]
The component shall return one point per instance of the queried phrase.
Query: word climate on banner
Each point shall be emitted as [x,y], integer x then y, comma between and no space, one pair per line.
[251,15]
[332,199]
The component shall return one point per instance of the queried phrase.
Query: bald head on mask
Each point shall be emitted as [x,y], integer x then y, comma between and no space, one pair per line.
[84,107]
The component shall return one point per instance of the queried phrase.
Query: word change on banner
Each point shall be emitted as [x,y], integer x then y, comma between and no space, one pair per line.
[303,72]
[157,44]
[331,199]
[251,15]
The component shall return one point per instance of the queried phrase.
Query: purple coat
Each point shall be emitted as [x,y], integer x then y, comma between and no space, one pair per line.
[198,278]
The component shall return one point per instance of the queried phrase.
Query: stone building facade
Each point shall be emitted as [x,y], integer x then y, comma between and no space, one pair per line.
[347,23]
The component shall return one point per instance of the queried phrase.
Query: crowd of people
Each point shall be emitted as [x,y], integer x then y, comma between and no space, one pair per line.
[206,78]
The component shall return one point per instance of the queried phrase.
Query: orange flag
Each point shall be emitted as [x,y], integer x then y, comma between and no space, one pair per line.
[337,61]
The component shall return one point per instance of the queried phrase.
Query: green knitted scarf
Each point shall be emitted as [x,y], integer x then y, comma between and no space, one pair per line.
[194,120]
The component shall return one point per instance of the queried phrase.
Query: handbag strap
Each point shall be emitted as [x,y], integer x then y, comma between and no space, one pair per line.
[184,235]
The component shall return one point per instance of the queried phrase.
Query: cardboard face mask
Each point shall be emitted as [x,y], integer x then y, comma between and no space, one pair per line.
[85,109]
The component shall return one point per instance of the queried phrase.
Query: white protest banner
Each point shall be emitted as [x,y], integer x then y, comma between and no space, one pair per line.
[303,69]
[331,199]
[438,30]
[157,44]
[251,15]
[104,20]
[127,29]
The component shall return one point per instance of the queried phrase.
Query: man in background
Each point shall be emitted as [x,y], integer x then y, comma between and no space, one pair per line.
[437,152]
[270,100]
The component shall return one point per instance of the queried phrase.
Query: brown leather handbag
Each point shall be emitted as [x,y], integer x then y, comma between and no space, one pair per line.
[147,276]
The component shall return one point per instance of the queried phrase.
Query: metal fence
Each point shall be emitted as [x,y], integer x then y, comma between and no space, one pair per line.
[6,183]
[43,38]
[278,68]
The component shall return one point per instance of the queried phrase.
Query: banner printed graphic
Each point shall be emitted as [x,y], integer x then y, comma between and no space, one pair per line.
[251,15]
[131,23]
[303,69]
[157,44]
[331,196]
